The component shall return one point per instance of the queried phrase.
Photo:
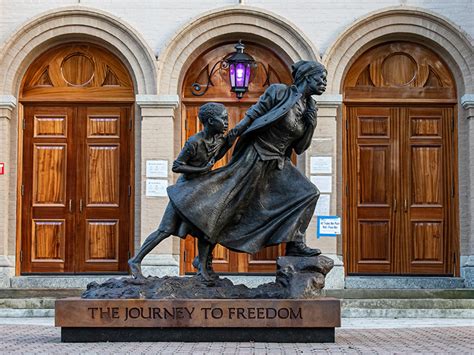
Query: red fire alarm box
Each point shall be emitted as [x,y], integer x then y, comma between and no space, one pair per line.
[2,168]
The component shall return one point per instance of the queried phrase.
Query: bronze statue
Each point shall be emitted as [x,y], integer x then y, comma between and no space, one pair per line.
[259,198]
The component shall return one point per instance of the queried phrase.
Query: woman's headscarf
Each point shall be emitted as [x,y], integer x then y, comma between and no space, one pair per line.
[304,68]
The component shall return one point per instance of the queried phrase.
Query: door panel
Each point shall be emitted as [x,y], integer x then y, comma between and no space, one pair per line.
[103,190]
[371,137]
[49,175]
[48,186]
[76,195]
[426,193]
[399,190]
[48,240]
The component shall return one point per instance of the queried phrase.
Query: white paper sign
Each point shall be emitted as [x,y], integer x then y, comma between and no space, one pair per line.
[156,187]
[321,165]
[156,168]
[329,226]
[323,206]
[323,183]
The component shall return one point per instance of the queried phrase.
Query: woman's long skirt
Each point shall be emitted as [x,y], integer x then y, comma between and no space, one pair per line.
[246,205]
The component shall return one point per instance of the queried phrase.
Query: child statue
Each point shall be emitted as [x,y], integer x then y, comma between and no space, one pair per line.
[199,154]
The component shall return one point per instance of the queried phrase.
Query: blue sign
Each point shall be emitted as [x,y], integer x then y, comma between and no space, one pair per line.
[328,226]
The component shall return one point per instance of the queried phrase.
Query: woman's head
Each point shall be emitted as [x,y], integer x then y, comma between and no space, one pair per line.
[312,73]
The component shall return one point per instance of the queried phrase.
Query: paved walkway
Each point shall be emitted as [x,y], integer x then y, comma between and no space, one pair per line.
[393,336]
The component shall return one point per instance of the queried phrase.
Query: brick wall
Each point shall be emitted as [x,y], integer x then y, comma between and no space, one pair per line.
[157,20]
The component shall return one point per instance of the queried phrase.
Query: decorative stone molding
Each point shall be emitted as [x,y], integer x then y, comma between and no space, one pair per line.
[407,23]
[157,105]
[7,104]
[329,99]
[67,24]
[467,102]
[211,27]
[157,100]
[328,105]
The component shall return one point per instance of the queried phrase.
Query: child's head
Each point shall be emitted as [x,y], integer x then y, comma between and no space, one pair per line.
[214,115]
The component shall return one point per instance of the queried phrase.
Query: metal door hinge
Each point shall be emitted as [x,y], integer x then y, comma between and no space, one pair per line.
[129,255]
[184,256]
[21,256]
[22,190]
[347,125]
[130,124]
[129,190]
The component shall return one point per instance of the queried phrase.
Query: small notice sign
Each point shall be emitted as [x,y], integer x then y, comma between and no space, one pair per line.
[328,226]
[2,168]
[156,168]
[321,165]
[156,188]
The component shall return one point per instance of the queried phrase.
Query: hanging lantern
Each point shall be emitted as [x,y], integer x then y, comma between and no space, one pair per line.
[240,67]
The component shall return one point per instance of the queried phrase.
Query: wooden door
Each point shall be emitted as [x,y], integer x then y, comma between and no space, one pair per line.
[76,189]
[76,175]
[400,212]
[400,190]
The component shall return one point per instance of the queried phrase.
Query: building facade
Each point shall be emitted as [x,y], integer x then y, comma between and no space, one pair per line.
[97,98]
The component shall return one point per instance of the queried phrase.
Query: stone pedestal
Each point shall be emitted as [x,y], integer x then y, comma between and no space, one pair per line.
[172,308]
[198,320]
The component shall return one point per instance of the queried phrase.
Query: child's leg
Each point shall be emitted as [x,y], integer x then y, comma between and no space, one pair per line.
[150,242]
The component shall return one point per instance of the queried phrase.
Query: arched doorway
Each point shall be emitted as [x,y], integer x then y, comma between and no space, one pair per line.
[76,162]
[271,68]
[400,165]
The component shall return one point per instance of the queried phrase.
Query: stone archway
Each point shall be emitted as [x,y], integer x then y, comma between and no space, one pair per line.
[212,27]
[76,23]
[445,39]
[400,23]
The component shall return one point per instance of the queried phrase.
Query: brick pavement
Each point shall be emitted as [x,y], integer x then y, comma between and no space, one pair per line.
[456,340]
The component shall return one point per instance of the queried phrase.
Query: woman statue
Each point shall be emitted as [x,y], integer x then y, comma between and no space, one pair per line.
[260,198]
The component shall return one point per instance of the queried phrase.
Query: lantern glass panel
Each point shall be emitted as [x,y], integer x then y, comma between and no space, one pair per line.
[247,75]
[232,74]
[240,75]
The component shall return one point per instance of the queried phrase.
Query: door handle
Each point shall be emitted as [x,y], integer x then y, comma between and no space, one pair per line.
[80,205]
[70,205]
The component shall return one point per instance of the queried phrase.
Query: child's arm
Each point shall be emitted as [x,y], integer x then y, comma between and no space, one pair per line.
[180,165]
[229,141]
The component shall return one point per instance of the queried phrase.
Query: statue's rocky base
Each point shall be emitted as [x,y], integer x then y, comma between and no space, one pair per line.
[185,309]
[296,278]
